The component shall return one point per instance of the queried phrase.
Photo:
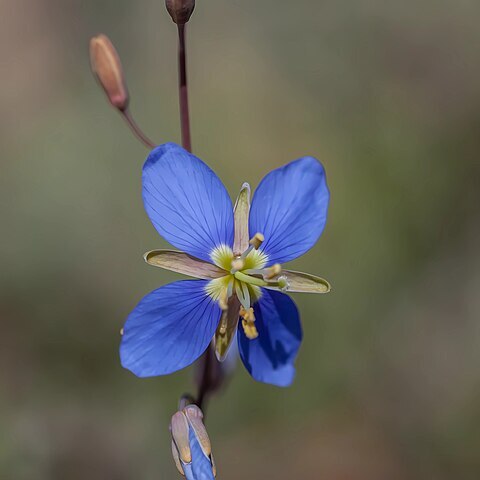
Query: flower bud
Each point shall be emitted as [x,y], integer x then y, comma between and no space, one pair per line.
[107,68]
[191,448]
[180,10]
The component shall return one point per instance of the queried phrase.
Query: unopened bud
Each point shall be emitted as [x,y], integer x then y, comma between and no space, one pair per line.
[180,10]
[107,68]
[189,433]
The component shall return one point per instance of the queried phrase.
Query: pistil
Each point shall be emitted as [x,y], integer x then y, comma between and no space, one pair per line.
[237,264]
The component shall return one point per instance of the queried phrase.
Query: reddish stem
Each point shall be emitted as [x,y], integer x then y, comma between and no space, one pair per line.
[137,131]
[183,90]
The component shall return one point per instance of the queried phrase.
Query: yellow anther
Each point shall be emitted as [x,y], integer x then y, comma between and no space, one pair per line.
[250,330]
[273,271]
[247,314]
[248,322]
[256,241]
[238,264]
[121,332]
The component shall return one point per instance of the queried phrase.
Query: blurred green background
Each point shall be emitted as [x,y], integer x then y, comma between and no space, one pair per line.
[386,94]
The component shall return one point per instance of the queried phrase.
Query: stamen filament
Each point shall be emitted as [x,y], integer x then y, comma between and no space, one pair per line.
[242,277]
[244,255]
[267,273]
[254,271]
[255,243]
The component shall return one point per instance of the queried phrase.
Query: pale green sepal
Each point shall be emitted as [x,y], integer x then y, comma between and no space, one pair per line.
[241,214]
[181,262]
[303,282]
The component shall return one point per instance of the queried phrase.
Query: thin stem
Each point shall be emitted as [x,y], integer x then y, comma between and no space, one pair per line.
[183,90]
[204,381]
[137,131]
[210,376]
[209,370]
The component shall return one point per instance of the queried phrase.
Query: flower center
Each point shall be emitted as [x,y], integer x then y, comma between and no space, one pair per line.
[244,275]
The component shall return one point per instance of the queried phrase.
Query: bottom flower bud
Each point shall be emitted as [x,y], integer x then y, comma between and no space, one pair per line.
[191,448]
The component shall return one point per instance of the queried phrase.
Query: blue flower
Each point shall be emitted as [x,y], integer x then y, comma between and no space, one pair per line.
[235,253]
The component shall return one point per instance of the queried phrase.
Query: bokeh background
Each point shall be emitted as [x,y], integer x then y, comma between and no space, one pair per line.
[387,94]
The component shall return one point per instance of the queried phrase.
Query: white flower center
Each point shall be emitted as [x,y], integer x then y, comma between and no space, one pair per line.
[244,275]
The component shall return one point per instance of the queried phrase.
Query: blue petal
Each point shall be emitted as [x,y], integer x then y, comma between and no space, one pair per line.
[186,202]
[201,467]
[289,208]
[169,329]
[269,358]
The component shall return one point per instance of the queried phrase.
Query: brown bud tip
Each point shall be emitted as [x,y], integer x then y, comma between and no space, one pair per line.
[180,10]
[107,68]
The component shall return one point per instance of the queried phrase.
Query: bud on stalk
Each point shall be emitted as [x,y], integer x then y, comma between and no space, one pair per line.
[180,10]
[191,448]
[107,68]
